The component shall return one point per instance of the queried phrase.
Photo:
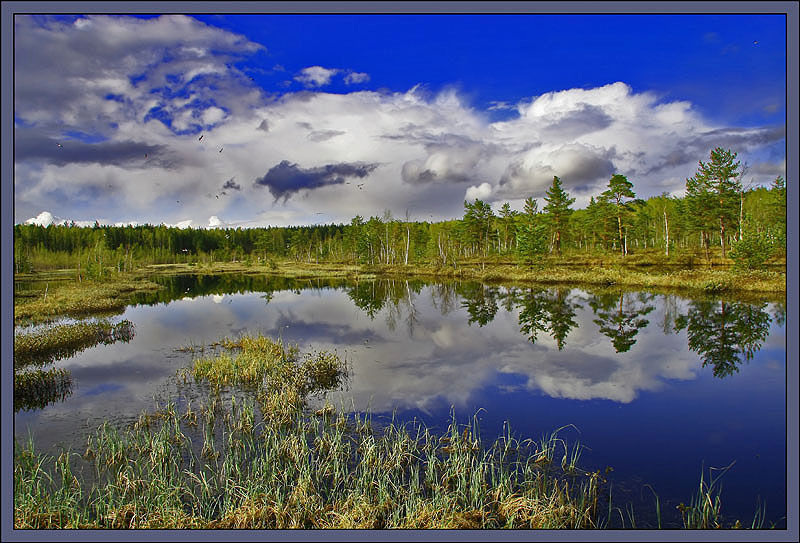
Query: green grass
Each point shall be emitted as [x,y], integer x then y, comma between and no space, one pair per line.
[78,298]
[51,343]
[330,471]
[648,270]
[279,376]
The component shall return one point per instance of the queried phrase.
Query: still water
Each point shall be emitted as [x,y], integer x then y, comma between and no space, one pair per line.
[657,388]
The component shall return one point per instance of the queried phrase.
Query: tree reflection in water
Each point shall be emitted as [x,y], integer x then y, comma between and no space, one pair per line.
[723,333]
[547,310]
[480,301]
[620,316]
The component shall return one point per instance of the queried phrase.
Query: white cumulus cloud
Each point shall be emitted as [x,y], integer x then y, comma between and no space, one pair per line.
[316,76]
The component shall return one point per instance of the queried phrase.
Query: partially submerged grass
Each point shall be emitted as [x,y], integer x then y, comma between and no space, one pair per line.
[635,271]
[36,388]
[79,298]
[276,372]
[51,343]
[328,472]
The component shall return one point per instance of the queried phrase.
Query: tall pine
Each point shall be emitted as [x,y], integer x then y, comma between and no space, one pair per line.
[558,210]
[713,194]
[619,188]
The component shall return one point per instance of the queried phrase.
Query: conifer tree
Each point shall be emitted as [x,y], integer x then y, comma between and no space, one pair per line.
[619,188]
[531,233]
[713,194]
[558,210]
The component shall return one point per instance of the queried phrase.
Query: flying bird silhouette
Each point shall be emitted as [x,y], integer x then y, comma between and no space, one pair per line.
[60,146]
[220,149]
[201,137]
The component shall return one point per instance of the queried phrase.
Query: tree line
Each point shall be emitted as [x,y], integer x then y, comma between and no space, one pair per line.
[748,224]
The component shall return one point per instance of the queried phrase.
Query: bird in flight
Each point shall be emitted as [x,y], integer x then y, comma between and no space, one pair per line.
[220,149]
[201,137]
[755,42]
[60,146]
[145,156]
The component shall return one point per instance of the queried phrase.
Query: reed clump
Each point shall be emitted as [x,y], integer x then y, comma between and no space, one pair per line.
[329,472]
[277,373]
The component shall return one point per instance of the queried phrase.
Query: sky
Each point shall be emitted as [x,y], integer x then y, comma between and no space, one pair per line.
[274,120]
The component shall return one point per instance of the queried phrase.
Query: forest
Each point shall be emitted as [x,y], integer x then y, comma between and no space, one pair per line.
[717,216]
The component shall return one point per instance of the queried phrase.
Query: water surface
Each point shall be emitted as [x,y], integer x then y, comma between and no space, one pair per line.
[656,387]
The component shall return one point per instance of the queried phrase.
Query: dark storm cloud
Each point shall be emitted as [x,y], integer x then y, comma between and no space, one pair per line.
[231,184]
[577,123]
[285,179]
[587,168]
[324,135]
[30,146]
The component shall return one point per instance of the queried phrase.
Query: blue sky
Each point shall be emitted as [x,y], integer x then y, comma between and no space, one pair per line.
[317,118]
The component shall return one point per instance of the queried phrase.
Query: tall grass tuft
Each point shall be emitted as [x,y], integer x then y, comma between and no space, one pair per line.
[332,471]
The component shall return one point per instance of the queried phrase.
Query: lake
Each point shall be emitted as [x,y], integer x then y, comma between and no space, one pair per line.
[656,388]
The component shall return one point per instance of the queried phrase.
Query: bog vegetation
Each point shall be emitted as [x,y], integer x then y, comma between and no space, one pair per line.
[268,461]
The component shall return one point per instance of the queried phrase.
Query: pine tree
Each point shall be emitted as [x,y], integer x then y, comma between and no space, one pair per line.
[558,210]
[619,188]
[713,194]
[531,233]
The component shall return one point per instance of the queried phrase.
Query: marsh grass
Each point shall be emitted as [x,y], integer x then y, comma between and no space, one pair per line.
[640,270]
[37,388]
[235,469]
[317,472]
[277,373]
[78,299]
[51,343]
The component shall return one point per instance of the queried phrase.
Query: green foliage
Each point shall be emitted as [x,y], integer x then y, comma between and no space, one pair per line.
[558,210]
[619,188]
[713,194]
[752,251]
[477,224]
[531,234]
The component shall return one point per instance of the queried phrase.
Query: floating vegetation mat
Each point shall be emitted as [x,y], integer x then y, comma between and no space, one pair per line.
[35,389]
[64,341]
